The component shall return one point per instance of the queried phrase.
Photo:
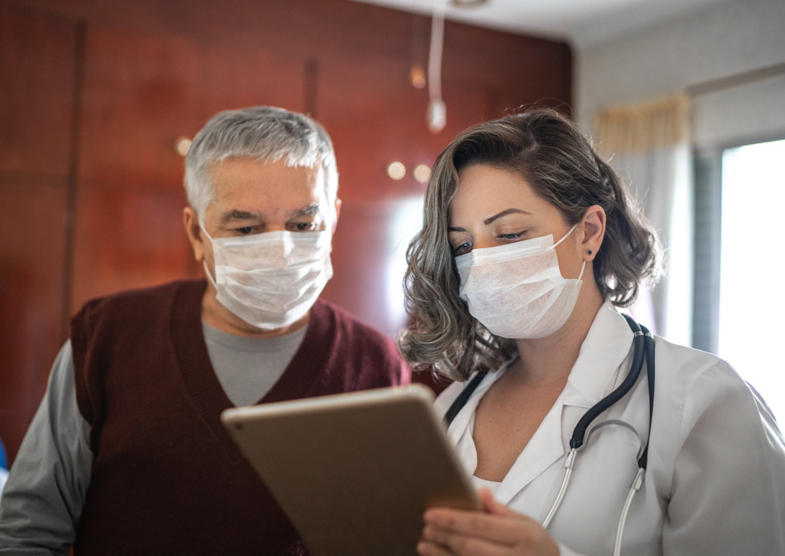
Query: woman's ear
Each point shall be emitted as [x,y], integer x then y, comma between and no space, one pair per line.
[593,225]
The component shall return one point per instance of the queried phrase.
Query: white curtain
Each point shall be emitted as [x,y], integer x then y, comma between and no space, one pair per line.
[648,146]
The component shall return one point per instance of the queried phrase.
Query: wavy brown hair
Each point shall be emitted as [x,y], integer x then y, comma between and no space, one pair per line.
[549,152]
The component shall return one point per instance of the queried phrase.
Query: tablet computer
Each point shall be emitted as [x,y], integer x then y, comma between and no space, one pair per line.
[354,472]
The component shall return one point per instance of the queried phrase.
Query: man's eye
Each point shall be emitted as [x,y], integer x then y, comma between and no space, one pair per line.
[303,226]
[246,230]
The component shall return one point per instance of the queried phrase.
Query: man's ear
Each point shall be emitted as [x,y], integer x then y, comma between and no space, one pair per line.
[593,225]
[338,204]
[194,233]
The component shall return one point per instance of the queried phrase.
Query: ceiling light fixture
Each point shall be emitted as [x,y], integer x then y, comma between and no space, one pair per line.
[396,170]
[436,115]
[181,145]
[422,173]
[417,77]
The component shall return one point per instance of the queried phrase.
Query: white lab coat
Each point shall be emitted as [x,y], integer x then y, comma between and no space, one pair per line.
[715,482]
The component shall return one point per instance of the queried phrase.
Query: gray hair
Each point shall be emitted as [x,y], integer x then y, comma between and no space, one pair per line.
[261,132]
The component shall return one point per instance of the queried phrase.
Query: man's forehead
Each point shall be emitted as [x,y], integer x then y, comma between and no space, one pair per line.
[235,174]
[251,188]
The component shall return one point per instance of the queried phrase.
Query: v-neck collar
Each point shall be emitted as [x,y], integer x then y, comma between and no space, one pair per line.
[595,373]
[199,377]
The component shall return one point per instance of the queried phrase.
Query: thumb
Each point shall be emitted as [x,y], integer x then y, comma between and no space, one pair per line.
[491,505]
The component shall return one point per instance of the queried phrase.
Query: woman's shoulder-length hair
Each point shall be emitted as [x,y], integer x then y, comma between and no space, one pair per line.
[559,163]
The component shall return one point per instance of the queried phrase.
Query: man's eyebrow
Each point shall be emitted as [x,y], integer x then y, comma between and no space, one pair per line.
[239,215]
[504,213]
[309,210]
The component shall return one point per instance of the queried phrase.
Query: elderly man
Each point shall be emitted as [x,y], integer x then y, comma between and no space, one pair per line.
[126,454]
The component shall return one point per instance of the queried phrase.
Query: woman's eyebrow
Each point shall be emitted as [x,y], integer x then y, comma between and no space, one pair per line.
[504,213]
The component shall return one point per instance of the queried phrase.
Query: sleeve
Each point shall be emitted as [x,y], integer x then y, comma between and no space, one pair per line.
[43,497]
[728,490]
[564,550]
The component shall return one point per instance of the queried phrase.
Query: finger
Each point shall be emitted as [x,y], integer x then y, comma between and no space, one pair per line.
[492,505]
[445,541]
[508,529]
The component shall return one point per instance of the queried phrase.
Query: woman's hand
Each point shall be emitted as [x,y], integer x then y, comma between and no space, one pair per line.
[498,531]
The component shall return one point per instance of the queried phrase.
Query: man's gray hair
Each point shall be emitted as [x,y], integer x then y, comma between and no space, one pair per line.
[260,132]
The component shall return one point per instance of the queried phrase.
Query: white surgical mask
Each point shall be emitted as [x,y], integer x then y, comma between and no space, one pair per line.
[270,280]
[516,290]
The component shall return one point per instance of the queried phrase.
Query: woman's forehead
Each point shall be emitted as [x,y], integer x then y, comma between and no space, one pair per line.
[482,189]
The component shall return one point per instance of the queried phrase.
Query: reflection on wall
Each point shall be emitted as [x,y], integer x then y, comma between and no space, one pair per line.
[401,228]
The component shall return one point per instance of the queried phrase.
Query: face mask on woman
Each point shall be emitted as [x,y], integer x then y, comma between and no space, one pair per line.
[270,280]
[516,290]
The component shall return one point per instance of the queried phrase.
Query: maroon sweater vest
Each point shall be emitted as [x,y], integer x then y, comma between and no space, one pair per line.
[166,477]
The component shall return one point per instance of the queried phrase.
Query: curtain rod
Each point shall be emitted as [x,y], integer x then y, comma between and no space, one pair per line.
[729,81]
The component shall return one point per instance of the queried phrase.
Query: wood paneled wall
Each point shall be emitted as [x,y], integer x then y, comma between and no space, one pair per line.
[94,94]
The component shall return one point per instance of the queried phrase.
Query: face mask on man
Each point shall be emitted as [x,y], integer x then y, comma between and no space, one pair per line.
[270,280]
[516,290]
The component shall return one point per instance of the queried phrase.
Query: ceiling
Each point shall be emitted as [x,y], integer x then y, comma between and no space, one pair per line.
[581,22]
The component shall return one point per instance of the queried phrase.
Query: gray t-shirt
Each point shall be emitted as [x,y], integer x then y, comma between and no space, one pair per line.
[247,368]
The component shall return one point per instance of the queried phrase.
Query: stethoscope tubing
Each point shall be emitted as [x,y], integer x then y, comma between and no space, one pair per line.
[643,351]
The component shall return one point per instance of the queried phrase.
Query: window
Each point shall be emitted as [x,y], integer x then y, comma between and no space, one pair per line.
[752,268]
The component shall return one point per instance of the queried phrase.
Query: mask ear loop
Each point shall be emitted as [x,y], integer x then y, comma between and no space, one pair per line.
[565,235]
[209,276]
[204,262]
[204,231]
[583,266]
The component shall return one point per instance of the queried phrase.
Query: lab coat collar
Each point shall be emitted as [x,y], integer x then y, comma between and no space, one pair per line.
[593,376]
[599,365]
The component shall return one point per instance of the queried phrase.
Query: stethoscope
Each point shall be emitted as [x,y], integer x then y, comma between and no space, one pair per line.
[643,349]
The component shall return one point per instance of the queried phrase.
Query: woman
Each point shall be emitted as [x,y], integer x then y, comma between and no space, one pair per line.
[529,244]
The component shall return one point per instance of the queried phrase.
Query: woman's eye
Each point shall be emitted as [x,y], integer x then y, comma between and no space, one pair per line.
[511,237]
[462,249]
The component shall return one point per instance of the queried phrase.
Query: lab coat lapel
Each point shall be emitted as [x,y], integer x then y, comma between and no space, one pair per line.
[544,448]
[599,367]
[595,373]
